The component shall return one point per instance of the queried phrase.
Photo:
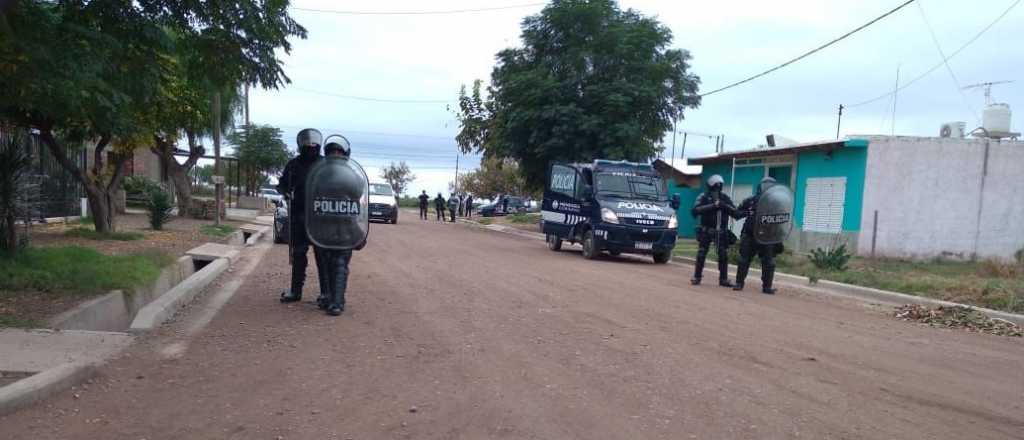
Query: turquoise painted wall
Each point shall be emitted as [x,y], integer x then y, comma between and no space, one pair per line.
[848,162]
[687,224]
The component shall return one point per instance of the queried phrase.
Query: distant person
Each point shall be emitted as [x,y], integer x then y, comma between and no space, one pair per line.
[424,203]
[504,204]
[469,205]
[439,207]
[462,204]
[453,205]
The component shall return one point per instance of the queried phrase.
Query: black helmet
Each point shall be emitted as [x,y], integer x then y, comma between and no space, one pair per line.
[338,142]
[309,141]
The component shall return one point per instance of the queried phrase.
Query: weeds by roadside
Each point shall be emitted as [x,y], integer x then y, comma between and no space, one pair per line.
[958,317]
[79,270]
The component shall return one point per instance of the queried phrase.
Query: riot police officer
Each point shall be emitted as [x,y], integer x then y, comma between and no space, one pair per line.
[749,245]
[334,281]
[293,185]
[714,208]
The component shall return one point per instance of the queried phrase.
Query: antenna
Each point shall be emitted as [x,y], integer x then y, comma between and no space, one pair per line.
[988,88]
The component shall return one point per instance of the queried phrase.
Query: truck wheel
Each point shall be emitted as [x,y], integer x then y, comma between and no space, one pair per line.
[554,242]
[590,250]
[394,219]
[614,253]
[662,257]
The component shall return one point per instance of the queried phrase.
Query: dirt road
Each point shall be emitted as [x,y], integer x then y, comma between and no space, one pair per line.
[458,333]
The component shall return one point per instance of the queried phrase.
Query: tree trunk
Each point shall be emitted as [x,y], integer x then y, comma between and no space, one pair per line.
[178,173]
[99,197]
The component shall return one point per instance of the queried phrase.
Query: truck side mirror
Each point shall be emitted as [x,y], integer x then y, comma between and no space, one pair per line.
[675,201]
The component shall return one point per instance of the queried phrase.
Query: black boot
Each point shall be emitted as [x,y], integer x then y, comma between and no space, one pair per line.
[741,276]
[695,281]
[767,276]
[738,287]
[289,296]
[724,282]
[321,302]
[335,309]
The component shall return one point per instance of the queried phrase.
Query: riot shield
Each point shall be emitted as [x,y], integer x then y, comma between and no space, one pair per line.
[337,198]
[773,218]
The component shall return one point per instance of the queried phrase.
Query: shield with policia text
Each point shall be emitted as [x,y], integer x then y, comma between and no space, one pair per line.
[774,217]
[337,198]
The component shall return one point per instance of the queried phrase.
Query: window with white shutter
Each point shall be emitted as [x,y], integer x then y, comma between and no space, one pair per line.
[824,201]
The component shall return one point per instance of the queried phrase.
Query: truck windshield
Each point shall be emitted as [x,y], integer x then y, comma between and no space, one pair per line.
[617,184]
[379,189]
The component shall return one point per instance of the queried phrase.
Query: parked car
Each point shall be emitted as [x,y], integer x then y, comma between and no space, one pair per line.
[383,204]
[515,204]
[281,232]
[271,194]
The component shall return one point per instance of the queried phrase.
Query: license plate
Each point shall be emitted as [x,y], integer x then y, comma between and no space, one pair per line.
[644,245]
[377,213]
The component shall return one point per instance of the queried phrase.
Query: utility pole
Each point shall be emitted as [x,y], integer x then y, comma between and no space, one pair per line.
[839,122]
[673,160]
[682,152]
[895,93]
[456,174]
[247,104]
[218,179]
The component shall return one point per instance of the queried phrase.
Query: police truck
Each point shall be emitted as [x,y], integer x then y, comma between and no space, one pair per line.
[617,207]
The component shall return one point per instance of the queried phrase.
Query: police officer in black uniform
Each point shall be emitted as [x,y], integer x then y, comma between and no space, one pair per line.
[334,262]
[749,245]
[714,208]
[424,202]
[293,185]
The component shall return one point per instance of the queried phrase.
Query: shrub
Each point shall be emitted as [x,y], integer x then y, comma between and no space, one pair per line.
[159,207]
[832,258]
[217,231]
[139,185]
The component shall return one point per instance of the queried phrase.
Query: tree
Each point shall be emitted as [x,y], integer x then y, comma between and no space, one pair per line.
[99,72]
[495,176]
[260,151]
[591,81]
[399,176]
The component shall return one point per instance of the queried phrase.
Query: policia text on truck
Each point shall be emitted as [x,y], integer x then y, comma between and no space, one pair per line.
[618,207]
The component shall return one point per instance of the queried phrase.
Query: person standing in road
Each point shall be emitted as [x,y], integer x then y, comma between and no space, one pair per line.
[469,205]
[462,205]
[439,207]
[424,202]
[749,245]
[334,280]
[293,185]
[714,208]
[504,204]
[453,205]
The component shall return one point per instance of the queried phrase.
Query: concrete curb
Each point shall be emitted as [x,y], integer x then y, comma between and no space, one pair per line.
[44,384]
[255,235]
[831,288]
[156,312]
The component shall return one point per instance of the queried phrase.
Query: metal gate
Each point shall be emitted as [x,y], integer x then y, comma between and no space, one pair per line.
[59,192]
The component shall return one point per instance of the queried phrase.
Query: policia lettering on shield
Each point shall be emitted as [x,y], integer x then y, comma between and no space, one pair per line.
[328,201]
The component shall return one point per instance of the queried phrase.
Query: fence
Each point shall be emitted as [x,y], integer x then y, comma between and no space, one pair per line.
[59,192]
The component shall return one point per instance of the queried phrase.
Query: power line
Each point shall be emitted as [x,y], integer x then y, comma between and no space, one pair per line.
[371,99]
[944,61]
[809,53]
[442,12]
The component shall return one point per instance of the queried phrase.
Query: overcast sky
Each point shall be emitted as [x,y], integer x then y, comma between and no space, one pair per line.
[427,58]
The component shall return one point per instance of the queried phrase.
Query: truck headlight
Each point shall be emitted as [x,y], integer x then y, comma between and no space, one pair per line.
[673,222]
[609,216]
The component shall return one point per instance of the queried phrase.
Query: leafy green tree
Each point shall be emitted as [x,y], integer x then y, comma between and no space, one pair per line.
[260,151]
[495,176]
[399,176]
[99,72]
[591,81]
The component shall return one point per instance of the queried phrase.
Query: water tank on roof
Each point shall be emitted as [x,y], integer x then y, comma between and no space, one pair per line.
[996,120]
